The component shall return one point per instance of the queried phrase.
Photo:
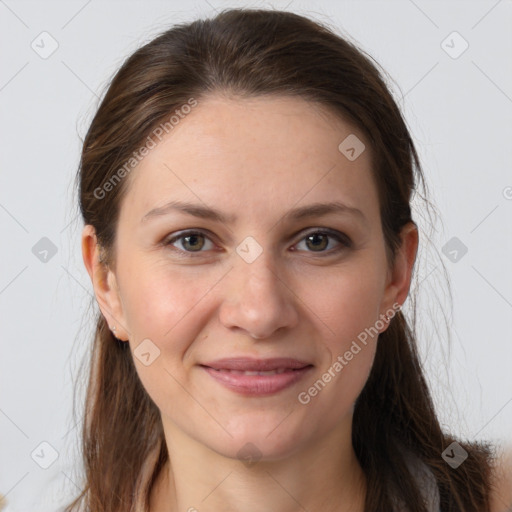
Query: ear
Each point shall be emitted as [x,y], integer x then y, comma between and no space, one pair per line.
[104,283]
[399,276]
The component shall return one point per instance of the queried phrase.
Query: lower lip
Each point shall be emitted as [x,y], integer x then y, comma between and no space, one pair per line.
[258,385]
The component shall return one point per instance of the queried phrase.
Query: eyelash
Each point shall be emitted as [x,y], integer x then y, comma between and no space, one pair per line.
[341,238]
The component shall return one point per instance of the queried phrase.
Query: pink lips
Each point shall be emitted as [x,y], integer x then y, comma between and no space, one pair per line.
[257,376]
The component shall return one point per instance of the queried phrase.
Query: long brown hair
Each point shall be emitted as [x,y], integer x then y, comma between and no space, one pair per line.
[252,53]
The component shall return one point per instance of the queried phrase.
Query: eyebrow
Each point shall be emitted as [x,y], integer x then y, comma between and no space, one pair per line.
[204,212]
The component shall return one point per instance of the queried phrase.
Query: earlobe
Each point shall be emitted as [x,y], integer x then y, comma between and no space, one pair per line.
[104,283]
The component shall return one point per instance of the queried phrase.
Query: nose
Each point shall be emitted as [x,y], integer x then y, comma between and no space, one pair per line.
[258,300]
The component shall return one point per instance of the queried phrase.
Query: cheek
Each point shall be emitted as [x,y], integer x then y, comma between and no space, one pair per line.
[347,302]
[349,308]
[158,303]
[166,308]
[333,394]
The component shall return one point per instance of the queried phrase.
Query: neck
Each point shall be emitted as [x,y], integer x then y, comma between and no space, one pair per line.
[324,475]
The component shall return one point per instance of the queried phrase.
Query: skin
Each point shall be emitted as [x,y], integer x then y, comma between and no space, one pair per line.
[501,493]
[257,158]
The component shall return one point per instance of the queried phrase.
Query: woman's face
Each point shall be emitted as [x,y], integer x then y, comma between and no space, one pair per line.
[253,282]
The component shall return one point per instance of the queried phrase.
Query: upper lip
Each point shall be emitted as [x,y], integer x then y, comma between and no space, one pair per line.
[251,364]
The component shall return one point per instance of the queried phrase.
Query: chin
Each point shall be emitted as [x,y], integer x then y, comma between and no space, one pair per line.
[254,443]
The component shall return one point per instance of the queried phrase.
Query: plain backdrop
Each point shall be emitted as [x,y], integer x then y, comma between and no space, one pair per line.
[450,69]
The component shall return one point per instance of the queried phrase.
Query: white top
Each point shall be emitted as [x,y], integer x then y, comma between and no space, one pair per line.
[426,482]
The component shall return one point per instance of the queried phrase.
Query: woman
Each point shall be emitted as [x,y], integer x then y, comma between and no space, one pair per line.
[245,187]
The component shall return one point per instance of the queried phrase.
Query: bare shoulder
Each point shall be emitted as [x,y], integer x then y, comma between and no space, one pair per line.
[501,491]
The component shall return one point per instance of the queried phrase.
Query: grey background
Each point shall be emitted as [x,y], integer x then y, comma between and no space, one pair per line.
[459,109]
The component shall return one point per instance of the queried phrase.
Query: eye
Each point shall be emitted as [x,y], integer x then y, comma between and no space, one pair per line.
[318,240]
[190,241]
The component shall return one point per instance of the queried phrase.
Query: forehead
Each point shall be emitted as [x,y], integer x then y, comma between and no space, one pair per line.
[254,156]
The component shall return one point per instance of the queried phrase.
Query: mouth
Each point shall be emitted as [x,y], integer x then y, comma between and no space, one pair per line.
[257,377]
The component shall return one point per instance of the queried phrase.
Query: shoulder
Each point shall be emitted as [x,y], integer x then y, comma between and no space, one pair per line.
[501,483]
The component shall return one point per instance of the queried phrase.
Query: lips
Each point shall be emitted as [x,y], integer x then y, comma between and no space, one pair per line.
[257,377]
[245,364]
